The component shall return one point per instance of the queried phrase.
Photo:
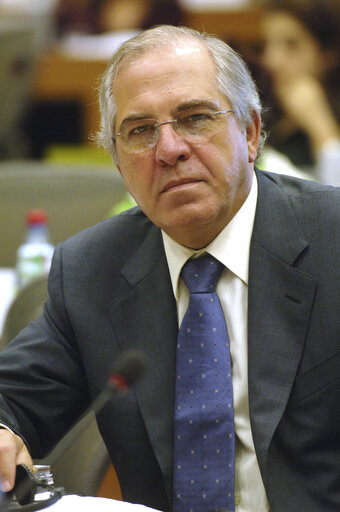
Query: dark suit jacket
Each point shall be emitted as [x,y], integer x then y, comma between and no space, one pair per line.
[110,290]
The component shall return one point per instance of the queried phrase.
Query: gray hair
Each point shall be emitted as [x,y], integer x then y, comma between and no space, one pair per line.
[232,76]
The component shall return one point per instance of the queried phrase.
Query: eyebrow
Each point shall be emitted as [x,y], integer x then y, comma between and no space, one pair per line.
[180,108]
[196,103]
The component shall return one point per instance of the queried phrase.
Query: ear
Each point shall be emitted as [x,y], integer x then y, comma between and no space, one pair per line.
[253,136]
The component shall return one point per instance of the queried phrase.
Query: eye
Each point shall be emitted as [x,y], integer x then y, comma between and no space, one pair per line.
[196,122]
[142,129]
[199,117]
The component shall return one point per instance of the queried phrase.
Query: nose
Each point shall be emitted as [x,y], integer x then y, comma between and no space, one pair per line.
[170,146]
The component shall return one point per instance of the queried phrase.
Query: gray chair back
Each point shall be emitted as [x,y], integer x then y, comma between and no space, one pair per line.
[73,198]
[26,306]
[79,467]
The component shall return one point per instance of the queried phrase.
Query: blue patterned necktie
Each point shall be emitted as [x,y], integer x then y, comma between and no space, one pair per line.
[204,445]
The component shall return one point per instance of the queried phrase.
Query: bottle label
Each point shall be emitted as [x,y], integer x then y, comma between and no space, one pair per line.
[31,266]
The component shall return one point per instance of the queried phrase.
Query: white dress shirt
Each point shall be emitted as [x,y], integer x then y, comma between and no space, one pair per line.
[231,248]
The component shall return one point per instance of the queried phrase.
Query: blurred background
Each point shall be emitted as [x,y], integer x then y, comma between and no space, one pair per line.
[52,53]
[55,51]
[54,181]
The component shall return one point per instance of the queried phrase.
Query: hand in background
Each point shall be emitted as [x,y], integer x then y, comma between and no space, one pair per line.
[305,102]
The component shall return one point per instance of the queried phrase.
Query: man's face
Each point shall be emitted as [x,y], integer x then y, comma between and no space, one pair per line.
[191,190]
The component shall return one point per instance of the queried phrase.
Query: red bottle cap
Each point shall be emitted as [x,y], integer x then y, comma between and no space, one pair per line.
[36,217]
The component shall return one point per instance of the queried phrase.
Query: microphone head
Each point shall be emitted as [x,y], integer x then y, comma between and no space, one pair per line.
[129,369]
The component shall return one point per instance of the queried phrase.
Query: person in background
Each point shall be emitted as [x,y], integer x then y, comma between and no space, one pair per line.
[98,16]
[301,54]
[181,117]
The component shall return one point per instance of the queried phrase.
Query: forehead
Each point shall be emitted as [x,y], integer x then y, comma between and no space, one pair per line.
[159,80]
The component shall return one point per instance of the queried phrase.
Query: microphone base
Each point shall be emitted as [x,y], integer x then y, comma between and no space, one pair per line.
[33,491]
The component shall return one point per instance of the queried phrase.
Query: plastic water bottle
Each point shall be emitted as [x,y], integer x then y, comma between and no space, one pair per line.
[35,255]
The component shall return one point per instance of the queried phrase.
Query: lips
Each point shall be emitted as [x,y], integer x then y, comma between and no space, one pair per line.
[178,183]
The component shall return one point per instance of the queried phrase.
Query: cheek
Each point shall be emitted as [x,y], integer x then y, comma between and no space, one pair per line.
[135,177]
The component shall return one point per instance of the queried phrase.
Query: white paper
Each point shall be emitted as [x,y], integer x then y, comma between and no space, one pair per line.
[73,503]
[212,5]
[98,46]
[7,292]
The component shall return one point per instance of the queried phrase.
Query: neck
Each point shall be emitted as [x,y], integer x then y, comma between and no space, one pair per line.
[195,239]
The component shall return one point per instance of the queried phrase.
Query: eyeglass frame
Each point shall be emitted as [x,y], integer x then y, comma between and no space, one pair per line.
[161,123]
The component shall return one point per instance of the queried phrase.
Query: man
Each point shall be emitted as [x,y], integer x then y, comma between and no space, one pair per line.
[181,117]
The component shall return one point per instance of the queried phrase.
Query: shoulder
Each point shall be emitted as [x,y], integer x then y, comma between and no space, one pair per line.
[116,229]
[94,259]
[310,205]
[114,238]
[298,190]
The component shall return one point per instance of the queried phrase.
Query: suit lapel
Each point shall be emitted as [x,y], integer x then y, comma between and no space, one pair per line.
[279,306]
[145,318]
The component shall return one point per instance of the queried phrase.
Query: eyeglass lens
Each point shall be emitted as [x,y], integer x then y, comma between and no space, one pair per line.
[139,135]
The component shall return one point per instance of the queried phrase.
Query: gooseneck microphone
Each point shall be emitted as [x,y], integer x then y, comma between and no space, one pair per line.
[128,371]
[130,368]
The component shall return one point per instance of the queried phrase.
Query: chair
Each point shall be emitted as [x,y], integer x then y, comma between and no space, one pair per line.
[74,198]
[26,306]
[80,467]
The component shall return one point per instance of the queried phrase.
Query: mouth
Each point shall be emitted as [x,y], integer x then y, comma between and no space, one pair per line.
[180,183]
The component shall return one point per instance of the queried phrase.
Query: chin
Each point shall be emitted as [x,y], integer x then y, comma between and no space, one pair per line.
[187,218]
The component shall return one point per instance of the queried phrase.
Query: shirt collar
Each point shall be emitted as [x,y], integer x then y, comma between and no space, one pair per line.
[230,247]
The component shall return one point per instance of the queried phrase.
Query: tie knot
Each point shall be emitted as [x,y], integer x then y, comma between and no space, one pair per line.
[201,274]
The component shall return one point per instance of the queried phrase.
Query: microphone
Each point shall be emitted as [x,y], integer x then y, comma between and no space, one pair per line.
[129,369]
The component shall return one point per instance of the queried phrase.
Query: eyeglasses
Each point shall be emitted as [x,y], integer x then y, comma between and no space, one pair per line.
[142,134]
